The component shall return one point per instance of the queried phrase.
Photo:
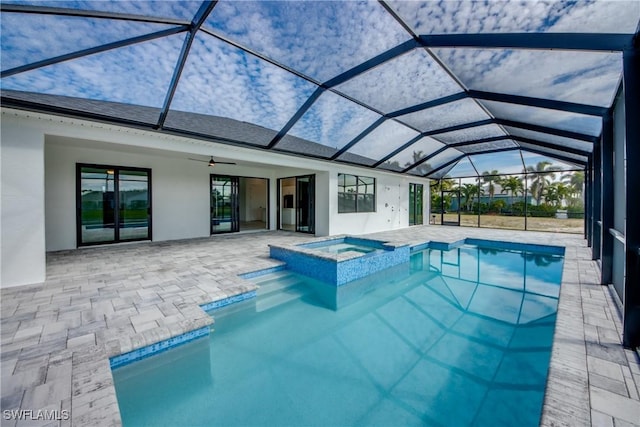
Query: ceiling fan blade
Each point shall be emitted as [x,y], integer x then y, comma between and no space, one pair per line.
[212,162]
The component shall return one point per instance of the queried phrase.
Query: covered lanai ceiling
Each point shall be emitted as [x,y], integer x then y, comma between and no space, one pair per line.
[410,87]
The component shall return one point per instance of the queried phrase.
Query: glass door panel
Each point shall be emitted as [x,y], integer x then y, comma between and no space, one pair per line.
[225,211]
[450,208]
[415,204]
[134,218]
[97,205]
[114,204]
[305,209]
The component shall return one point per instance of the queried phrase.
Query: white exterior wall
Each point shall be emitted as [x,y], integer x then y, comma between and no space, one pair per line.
[22,206]
[38,210]
[179,190]
[392,204]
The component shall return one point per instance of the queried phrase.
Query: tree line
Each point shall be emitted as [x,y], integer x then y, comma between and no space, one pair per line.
[548,193]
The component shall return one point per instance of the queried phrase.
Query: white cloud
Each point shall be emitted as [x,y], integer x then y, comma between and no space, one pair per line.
[138,74]
[159,8]
[383,140]
[442,116]
[321,39]
[470,134]
[545,137]
[559,119]
[583,77]
[30,38]
[410,79]
[499,16]
[333,121]
[221,80]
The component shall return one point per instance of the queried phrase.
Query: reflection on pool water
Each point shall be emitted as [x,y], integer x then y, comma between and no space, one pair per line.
[459,337]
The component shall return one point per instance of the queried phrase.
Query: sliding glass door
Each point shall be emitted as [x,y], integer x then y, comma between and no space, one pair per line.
[225,209]
[416,216]
[305,208]
[113,204]
[296,204]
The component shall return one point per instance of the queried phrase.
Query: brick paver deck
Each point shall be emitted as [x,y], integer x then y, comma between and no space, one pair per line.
[104,301]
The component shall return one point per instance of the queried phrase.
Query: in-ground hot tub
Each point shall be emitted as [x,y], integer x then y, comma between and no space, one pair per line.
[340,260]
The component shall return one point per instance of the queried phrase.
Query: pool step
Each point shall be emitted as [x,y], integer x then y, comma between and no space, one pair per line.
[276,283]
[219,313]
[280,292]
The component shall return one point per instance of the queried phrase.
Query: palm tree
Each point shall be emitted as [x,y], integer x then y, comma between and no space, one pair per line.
[469,191]
[575,181]
[447,183]
[513,185]
[543,172]
[437,187]
[490,177]
[556,192]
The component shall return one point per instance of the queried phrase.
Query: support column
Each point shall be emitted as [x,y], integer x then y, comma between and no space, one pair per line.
[22,238]
[588,197]
[607,206]
[596,202]
[631,83]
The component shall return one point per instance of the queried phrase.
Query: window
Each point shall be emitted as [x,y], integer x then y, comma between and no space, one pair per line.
[356,193]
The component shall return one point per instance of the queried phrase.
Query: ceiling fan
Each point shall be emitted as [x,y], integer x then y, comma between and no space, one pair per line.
[212,162]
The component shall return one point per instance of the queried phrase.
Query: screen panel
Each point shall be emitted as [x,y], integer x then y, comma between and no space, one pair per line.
[446,115]
[561,141]
[463,168]
[384,139]
[221,80]
[22,43]
[436,161]
[183,10]
[410,79]
[410,155]
[532,160]
[332,121]
[322,39]
[484,146]
[508,162]
[464,16]
[583,77]
[582,123]
[470,134]
[138,74]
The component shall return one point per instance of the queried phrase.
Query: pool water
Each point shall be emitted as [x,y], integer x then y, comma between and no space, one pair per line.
[452,338]
[339,248]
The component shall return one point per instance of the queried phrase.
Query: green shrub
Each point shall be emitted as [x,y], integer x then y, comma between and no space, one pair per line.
[497,206]
[542,211]
[575,212]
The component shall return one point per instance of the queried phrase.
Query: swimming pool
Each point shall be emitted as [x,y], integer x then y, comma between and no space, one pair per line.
[453,337]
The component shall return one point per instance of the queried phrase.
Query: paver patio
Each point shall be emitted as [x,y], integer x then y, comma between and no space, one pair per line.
[104,301]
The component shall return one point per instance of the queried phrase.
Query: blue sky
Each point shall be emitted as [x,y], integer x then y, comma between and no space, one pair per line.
[321,40]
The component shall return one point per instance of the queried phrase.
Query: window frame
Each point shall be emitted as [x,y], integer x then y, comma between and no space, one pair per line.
[116,169]
[356,195]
